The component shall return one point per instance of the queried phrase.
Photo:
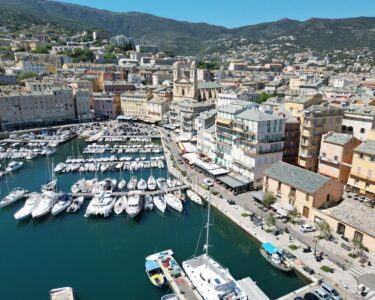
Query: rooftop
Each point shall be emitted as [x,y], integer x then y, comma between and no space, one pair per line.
[208,85]
[367,147]
[231,109]
[256,115]
[358,216]
[296,177]
[338,138]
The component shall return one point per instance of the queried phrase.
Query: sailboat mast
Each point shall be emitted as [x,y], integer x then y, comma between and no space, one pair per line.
[208,222]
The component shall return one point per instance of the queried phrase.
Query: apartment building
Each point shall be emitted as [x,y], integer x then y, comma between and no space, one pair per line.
[291,141]
[316,121]
[206,137]
[336,154]
[249,140]
[106,105]
[157,108]
[20,109]
[297,105]
[134,103]
[82,100]
[301,189]
[359,121]
[362,175]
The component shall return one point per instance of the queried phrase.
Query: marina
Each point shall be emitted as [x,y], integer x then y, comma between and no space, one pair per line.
[96,243]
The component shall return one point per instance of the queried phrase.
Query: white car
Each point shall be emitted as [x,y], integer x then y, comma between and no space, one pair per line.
[208,182]
[307,228]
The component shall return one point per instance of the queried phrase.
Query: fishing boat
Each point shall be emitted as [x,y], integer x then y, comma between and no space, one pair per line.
[173,202]
[142,184]
[64,293]
[133,205]
[148,203]
[15,195]
[13,166]
[45,205]
[76,204]
[120,205]
[212,280]
[160,203]
[121,184]
[275,257]
[132,184]
[151,183]
[62,204]
[154,273]
[30,204]
[194,197]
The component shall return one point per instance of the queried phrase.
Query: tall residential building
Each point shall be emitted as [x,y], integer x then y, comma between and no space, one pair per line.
[359,121]
[291,141]
[134,103]
[362,175]
[249,140]
[336,154]
[106,105]
[206,133]
[297,105]
[82,101]
[316,121]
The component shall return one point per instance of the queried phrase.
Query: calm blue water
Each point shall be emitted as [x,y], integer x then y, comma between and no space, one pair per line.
[104,258]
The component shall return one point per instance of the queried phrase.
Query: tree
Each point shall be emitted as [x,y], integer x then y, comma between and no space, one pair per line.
[270,220]
[324,229]
[293,215]
[26,75]
[268,199]
[263,97]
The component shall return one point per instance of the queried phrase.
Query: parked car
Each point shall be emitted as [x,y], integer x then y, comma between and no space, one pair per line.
[321,294]
[310,296]
[208,182]
[331,291]
[307,228]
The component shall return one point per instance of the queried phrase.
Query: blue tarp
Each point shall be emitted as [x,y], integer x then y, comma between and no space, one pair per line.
[271,249]
[151,265]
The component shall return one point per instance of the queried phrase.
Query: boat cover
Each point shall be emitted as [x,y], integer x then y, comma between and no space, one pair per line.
[151,265]
[271,249]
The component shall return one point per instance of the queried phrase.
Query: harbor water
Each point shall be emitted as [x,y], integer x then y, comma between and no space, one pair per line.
[103,259]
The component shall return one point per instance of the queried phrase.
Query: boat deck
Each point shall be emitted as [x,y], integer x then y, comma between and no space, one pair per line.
[180,285]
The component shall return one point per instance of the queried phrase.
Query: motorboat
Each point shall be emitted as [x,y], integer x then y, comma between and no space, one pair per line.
[161,183]
[133,205]
[64,293]
[59,167]
[160,203]
[194,197]
[109,184]
[101,204]
[154,273]
[30,204]
[180,196]
[170,182]
[120,205]
[121,184]
[142,184]
[151,183]
[76,204]
[13,166]
[48,200]
[173,202]
[62,204]
[148,202]
[132,184]
[49,186]
[275,257]
[15,195]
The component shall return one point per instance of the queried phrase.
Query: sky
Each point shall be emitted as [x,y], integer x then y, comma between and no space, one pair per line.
[236,13]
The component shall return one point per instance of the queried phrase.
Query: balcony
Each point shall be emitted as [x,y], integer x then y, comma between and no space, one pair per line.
[328,160]
[304,155]
[292,196]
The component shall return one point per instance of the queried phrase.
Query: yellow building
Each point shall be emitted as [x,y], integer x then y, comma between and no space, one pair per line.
[316,121]
[297,105]
[362,174]
[298,188]
[134,103]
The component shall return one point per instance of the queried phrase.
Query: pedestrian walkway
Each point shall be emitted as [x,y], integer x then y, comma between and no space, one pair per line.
[357,272]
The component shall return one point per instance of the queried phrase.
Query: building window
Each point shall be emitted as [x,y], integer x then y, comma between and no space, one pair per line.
[340,229]
[336,158]
[362,130]
[307,197]
[358,236]
[361,156]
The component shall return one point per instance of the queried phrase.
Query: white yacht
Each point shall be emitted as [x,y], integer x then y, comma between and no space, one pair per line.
[47,201]
[30,204]
[101,204]
[121,184]
[59,167]
[161,183]
[173,202]
[14,165]
[132,184]
[76,205]
[120,205]
[49,186]
[142,184]
[62,204]
[15,195]
[212,281]
[194,197]
[133,205]
[160,203]
[151,183]
[148,202]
